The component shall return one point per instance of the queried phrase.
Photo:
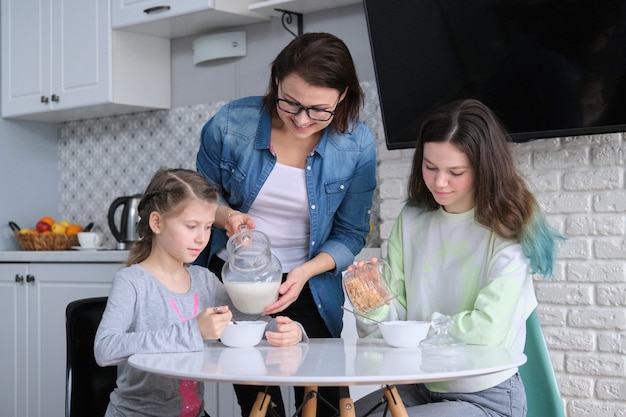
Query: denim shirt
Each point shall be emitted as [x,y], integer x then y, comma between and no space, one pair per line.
[340,174]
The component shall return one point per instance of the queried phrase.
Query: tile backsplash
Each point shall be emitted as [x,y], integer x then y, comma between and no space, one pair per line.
[102,159]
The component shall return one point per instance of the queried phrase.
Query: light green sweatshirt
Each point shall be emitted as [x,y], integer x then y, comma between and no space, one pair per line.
[448,264]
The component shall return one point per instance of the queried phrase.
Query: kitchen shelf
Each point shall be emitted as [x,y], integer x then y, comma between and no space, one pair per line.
[297,6]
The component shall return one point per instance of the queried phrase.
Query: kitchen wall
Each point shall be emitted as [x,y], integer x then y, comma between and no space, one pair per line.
[29,175]
[101,159]
[222,80]
[579,181]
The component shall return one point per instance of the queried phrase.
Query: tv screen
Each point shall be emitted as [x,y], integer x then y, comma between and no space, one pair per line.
[546,68]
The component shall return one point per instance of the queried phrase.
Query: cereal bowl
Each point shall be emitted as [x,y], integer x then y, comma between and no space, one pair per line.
[408,333]
[243,333]
[243,361]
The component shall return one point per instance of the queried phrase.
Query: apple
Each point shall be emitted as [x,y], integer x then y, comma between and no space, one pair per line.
[58,228]
[42,226]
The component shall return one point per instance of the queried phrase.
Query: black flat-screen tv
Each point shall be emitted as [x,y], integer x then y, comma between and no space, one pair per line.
[546,68]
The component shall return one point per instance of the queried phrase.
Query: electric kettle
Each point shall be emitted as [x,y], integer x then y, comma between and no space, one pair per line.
[126,233]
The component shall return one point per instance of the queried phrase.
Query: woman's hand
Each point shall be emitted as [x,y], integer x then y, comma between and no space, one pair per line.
[236,220]
[212,321]
[289,333]
[288,291]
[297,278]
[284,361]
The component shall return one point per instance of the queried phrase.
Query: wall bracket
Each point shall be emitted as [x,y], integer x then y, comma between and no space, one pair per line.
[287,19]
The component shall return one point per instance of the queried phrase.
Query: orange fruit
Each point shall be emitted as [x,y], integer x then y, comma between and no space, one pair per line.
[47,219]
[73,229]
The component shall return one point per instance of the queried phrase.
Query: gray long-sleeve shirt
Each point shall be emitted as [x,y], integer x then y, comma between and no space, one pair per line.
[143,316]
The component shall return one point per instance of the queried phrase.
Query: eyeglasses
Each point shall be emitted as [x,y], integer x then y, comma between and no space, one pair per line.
[313,113]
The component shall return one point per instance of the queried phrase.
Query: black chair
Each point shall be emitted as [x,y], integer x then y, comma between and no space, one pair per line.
[88,385]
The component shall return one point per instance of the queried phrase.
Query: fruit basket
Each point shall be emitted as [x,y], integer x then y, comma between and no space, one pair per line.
[46,241]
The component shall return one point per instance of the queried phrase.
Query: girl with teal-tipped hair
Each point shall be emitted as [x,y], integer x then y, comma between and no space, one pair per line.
[466,245]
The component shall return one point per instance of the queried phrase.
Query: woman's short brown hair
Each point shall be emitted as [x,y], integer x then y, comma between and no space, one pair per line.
[322,60]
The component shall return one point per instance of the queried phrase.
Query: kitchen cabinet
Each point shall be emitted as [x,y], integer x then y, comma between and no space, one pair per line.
[298,6]
[177,18]
[62,61]
[33,298]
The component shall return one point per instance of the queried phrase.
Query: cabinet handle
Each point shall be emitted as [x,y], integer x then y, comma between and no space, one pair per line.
[54,98]
[30,278]
[156,9]
[19,278]
[44,99]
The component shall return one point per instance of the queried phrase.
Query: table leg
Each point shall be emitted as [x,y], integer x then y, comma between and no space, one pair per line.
[395,402]
[346,405]
[310,404]
[259,409]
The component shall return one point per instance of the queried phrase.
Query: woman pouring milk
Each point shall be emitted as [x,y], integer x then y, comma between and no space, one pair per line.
[298,165]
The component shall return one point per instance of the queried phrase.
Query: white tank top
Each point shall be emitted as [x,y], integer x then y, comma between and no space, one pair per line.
[281,210]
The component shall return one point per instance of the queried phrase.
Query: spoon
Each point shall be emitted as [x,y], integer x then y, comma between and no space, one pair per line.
[360,315]
[218,310]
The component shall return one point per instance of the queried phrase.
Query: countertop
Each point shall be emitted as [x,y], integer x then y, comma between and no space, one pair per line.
[63,256]
[115,256]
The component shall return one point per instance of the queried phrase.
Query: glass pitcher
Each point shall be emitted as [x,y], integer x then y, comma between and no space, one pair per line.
[251,274]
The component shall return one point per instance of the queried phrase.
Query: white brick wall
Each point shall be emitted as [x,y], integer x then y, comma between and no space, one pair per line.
[580,183]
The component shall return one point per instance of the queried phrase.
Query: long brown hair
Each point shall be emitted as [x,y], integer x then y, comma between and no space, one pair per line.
[504,203]
[166,194]
[322,60]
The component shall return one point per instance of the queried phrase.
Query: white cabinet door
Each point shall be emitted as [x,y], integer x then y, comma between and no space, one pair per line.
[55,286]
[26,56]
[13,310]
[81,50]
[57,55]
[177,18]
[33,354]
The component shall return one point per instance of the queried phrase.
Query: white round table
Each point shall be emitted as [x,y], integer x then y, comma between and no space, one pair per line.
[327,362]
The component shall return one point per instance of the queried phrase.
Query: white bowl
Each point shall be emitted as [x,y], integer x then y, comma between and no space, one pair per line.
[243,334]
[243,361]
[407,333]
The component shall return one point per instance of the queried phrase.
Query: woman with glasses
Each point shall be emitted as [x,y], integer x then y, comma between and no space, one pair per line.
[298,165]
